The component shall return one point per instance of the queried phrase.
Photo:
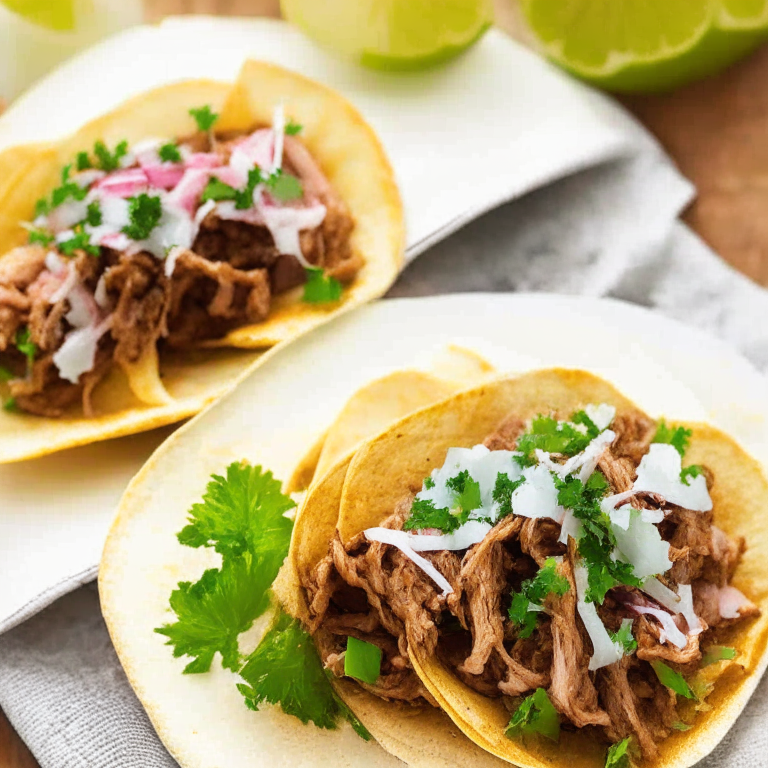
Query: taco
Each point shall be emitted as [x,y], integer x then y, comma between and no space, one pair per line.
[196,215]
[559,573]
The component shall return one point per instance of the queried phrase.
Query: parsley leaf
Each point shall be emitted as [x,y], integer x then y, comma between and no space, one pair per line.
[213,611]
[625,637]
[144,212]
[82,161]
[292,128]
[467,491]
[618,755]
[319,288]
[67,189]
[286,670]
[424,514]
[690,472]
[597,541]
[204,117]
[285,187]
[80,241]
[536,715]
[672,680]
[242,512]
[169,153]
[533,592]
[502,492]
[241,516]
[429,483]
[40,236]
[93,218]
[217,190]
[109,161]
[25,345]
[678,437]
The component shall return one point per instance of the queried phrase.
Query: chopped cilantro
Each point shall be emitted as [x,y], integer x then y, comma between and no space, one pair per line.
[42,208]
[67,189]
[6,374]
[244,197]
[286,670]
[424,514]
[671,679]
[40,236]
[93,217]
[690,472]
[625,637]
[467,491]
[597,541]
[242,518]
[169,153]
[144,212]
[292,128]
[204,117]
[681,726]
[502,492]
[80,241]
[284,187]
[10,405]
[678,437]
[217,190]
[109,161]
[717,653]
[362,660]
[535,715]
[618,755]
[25,345]
[533,592]
[552,436]
[429,483]
[320,288]
[82,161]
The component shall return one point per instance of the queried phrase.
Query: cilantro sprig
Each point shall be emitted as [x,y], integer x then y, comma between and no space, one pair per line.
[619,754]
[242,517]
[292,128]
[528,602]
[535,715]
[205,117]
[672,679]
[144,213]
[502,492]
[548,434]
[80,241]
[597,541]
[169,153]
[23,342]
[678,437]
[320,288]
[624,637]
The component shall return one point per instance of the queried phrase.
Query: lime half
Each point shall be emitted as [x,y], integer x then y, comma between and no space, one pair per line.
[392,34]
[54,14]
[647,45]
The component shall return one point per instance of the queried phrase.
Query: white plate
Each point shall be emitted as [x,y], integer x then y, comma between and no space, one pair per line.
[276,414]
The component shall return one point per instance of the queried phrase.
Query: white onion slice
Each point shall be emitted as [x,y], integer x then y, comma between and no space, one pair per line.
[77,354]
[669,630]
[399,539]
[537,496]
[601,415]
[659,472]
[606,651]
[640,544]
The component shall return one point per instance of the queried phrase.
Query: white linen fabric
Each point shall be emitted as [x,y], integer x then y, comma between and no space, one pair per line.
[594,212]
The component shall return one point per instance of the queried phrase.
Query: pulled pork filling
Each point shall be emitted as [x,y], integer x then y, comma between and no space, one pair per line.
[567,556]
[163,243]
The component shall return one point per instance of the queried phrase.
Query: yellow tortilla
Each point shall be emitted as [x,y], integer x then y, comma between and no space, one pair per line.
[348,152]
[395,463]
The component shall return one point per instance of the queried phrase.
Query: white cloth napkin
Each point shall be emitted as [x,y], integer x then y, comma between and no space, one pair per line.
[594,212]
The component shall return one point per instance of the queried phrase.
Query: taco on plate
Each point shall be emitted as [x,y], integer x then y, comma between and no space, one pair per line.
[563,576]
[197,215]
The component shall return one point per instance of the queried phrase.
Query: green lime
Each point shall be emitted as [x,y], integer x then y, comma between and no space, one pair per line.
[54,14]
[393,34]
[647,45]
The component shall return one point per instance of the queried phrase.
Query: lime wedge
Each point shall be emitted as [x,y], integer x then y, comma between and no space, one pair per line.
[393,34]
[54,14]
[653,45]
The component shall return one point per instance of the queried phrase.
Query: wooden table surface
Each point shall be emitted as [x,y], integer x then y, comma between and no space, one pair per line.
[716,130]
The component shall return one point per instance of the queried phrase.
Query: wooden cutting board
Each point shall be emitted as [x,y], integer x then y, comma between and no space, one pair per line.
[716,131]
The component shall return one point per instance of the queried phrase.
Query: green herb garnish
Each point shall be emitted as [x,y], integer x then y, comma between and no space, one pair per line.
[23,342]
[424,514]
[320,288]
[93,217]
[10,405]
[40,236]
[109,161]
[528,602]
[362,660]
[625,637]
[678,437]
[217,190]
[284,187]
[502,492]
[169,153]
[618,755]
[80,241]
[553,436]
[536,715]
[6,374]
[687,473]
[672,680]
[716,653]
[82,161]
[204,117]
[144,212]
[292,128]
[467,491]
